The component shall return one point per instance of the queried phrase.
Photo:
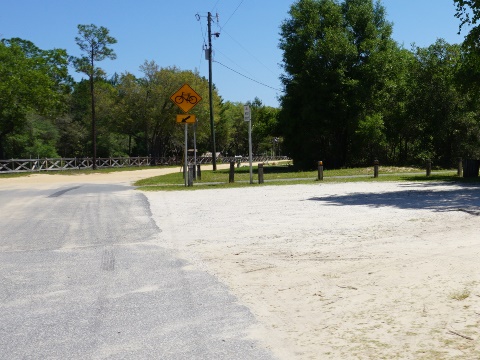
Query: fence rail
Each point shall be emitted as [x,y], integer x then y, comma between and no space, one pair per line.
[60,164]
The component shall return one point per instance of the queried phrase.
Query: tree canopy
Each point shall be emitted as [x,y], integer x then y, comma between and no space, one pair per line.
[31,81]
[336,58]
[351,95]
[468,11]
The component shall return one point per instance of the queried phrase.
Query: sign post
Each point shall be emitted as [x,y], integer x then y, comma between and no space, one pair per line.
[186,98]
[247,116]
[185,155]
[195,150]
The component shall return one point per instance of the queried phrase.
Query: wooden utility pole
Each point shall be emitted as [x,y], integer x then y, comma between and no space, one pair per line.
[210,85]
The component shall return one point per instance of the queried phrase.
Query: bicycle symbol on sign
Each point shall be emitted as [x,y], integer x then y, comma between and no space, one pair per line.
[188,98]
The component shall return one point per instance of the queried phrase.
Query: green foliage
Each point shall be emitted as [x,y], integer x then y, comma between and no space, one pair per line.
[145,114]
[94,42]
[232,130]
[334,56]
[468,12]
[31,81]
[439,124]
[370,137]
[352,95]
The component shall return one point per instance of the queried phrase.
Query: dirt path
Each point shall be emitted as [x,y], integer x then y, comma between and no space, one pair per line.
[120,177]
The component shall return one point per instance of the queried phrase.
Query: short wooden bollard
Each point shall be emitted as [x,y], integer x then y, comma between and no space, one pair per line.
[375,168]
[460,167]
[260,173]
[471,168]
[429,167]
[320,170]
[199,172]
[190,174]
[231,175]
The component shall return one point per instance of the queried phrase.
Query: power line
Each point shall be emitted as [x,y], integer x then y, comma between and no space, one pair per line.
[199,19]
[249,53]
[214,6]
[236,64]
[249,78]
[241,2]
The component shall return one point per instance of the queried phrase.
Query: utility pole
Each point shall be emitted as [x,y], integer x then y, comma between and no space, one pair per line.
[212,127]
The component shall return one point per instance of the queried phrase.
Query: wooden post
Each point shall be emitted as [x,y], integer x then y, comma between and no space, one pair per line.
[199,172]
[460,167]
[231,175]
[470,168]
[190,174]
[375,168]
[429,167]
[320,170]
[260,173]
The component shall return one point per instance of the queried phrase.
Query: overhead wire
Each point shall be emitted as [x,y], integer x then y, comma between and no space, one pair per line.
[243,69]
[249,53]
[234,11]
[199,18]
[222,28]
[246,77]
[214,6]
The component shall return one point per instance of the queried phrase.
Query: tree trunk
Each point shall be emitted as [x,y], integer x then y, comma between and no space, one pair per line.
[94,127]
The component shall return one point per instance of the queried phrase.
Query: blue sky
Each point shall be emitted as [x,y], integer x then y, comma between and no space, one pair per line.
[169,33]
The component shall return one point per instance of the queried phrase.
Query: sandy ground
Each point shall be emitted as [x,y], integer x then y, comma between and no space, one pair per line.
[336,271]
[121,177]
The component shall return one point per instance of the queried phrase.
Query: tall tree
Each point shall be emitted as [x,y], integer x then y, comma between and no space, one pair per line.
[32,81]
[95,43]
[334,55]
[435,105]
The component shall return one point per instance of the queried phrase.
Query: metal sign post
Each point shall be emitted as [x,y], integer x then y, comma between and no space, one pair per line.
[247,116]
[195,150]
[185,166]
[186,98]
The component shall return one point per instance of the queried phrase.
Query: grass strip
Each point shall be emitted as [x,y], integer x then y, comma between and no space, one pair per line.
[286,175]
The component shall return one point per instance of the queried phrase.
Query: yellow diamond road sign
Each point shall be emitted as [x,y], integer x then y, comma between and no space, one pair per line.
[186,119]
[185,98]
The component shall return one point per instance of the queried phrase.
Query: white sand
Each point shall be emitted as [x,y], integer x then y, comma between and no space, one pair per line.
[335,271]
[341,271]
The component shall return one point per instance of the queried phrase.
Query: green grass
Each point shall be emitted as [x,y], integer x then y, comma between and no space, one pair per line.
[286,175]
[460,295]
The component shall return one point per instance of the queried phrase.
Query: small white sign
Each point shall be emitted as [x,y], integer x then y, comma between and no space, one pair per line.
[247,115]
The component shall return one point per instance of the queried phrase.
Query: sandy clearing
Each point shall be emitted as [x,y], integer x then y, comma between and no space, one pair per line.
[332,271]
[341,271]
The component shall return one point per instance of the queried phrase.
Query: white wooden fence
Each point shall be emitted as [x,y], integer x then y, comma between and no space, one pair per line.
[59,164]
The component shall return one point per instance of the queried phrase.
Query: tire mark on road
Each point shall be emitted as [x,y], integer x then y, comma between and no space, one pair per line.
[61,192]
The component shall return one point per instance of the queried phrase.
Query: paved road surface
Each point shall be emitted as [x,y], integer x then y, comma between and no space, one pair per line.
[82,276]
